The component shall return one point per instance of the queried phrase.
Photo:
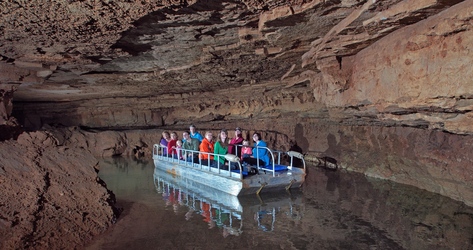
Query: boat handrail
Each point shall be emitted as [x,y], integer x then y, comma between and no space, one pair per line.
[271,153]
[160,152]
[298,155]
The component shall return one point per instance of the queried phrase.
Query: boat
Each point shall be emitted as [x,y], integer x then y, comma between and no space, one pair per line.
[238,180]
[226,211]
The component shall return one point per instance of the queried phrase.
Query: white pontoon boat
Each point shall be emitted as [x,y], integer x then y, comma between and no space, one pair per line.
[236,181]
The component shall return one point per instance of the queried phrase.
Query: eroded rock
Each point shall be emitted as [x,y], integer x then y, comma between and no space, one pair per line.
[51,195]
[9,127]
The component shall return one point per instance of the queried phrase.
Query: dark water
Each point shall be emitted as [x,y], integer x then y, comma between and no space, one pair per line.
[333,210]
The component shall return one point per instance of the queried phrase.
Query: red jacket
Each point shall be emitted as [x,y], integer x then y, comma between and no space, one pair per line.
[233,142]
[172,151]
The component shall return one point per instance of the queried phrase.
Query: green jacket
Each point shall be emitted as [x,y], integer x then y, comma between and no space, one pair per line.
[219,149]
[191,144]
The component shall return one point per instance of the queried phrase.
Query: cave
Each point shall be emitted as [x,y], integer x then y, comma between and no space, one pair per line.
[381,88]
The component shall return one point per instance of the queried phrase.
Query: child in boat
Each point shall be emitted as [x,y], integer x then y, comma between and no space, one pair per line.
[179,149]
[172,145]
[246,149]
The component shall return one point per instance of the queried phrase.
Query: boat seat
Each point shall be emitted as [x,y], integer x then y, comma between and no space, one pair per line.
[277,167]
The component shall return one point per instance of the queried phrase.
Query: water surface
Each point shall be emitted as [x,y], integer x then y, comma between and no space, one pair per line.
[333,210]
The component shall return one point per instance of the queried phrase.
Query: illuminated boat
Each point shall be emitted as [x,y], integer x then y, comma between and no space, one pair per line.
[238,181]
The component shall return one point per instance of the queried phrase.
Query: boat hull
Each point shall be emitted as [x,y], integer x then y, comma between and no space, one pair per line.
[204,177]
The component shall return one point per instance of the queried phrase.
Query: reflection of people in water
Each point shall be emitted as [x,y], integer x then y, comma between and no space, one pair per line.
[165,196]
[214,217]
[222,217]
[208,213]
[173,200]
[180,199]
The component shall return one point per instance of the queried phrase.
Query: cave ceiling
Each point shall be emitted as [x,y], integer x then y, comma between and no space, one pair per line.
[79,49]
[152,59]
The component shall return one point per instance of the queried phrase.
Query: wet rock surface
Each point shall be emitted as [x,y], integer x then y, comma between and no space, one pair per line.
[51,195]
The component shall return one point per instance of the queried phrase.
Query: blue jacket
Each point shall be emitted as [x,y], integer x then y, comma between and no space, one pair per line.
[261,153]
[197,136]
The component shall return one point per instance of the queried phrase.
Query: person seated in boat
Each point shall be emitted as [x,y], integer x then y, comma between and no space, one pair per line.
[221,147]
[179,150]
[190,144]
[259,155]
[246,149]
[194,134]
[172,145]
[207,146]
[233,147]
[164,142]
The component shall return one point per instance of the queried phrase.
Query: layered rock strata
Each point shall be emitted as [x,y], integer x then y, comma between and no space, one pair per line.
[266,71]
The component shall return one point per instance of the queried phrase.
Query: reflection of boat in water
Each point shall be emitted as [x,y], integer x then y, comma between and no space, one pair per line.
[222,210]
[239,181]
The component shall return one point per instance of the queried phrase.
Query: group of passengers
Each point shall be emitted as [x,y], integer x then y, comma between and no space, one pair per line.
[207,146]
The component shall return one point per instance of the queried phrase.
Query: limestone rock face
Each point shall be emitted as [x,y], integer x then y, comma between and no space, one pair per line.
[425,82]
[51,195]
[155,63]
[9,127]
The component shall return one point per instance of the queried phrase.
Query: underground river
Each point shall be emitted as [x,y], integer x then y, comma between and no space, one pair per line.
[332,210]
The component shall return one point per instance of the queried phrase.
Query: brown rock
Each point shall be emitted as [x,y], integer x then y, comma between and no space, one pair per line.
[51,198]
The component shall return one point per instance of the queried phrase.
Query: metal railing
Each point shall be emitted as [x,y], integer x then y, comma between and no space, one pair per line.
[211,164]
[275,160]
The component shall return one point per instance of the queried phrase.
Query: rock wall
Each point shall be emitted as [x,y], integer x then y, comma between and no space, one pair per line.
[429,76]
[9,127]
[417,76]
[432,160]
[51,195]
[425,84]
